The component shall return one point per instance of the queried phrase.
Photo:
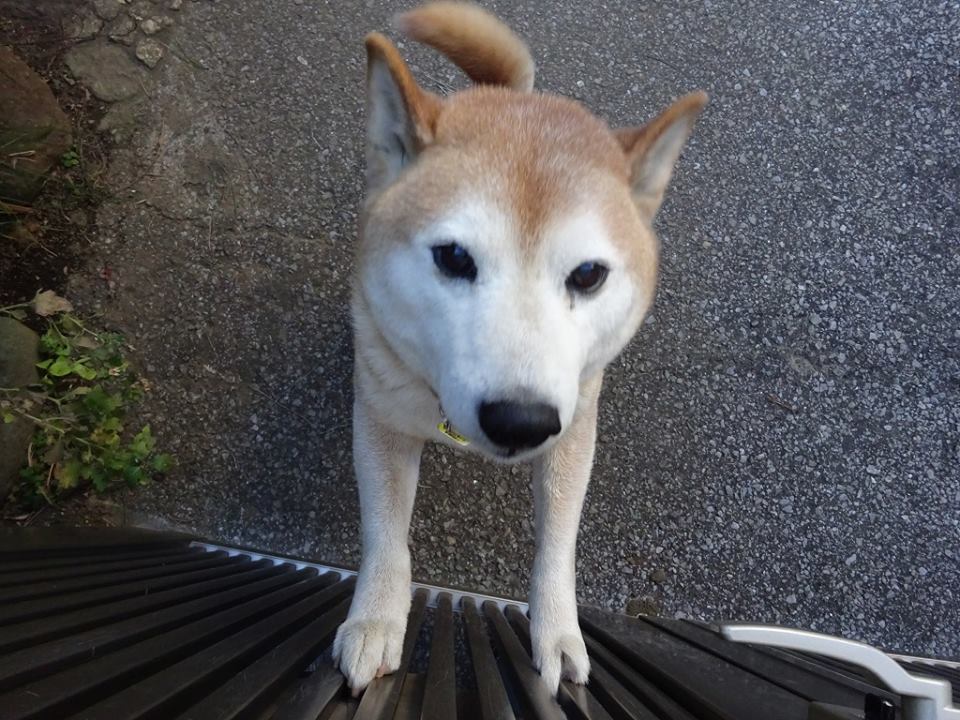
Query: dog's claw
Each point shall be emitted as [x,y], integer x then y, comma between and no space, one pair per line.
[365,649]
[562,657]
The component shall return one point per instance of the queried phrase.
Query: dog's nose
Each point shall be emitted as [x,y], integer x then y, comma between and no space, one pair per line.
[517,425]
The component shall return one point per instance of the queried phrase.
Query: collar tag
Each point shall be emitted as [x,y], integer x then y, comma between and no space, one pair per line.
[446,428]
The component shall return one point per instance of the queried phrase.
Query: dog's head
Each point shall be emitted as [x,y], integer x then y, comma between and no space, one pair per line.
[507,249]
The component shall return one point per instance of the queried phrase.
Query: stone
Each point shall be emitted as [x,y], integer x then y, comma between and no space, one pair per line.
[122,30]
[82,25]
[149,52]
[110,73]
[121,118]
[645,605]
[34,131]
[659,576]
[153,25]
[19,353]
[106,9]
[175,4]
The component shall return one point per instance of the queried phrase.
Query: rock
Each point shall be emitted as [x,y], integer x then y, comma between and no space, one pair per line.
[153,25]
[149,52]
[791,599]
[106,9]
[19,348]
[82,25]
[121,119]
[34,131]
[109,72]
[122,30]
[658,576]
[175,4]
[645,605]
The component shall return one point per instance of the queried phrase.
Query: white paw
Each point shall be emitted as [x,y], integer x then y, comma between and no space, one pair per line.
[365,649]
[559,653]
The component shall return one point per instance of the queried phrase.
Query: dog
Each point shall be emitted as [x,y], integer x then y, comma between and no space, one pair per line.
[506,256]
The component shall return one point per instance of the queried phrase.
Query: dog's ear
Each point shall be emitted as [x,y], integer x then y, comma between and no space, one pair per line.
[401,115]
[653,149]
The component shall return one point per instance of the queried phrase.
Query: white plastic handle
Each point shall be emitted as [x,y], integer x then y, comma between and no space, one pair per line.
[923,698]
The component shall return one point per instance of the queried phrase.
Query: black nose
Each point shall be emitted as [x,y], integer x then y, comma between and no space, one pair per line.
[519,425]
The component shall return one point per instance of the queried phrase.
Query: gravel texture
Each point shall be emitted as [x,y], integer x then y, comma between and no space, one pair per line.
[782,440]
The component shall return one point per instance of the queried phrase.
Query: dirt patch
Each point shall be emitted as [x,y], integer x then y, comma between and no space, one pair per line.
[43,242]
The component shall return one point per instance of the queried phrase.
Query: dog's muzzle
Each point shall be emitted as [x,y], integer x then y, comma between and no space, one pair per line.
[518,426]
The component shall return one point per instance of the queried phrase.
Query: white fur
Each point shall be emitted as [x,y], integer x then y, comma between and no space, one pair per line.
[424,341]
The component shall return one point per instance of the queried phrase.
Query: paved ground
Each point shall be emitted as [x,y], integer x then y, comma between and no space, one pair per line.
[782,440]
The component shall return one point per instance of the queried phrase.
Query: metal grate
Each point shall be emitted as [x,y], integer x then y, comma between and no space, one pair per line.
[130,625]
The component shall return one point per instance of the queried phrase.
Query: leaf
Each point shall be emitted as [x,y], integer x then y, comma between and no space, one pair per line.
[67,474]
[44,364]
[87,342]
[134,475]
[61,366]
[18,314]
[162,463]
[87,373]
[8,418]
[143,443]
[48,303]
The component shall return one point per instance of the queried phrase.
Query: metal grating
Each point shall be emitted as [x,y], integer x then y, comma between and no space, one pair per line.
[130,625]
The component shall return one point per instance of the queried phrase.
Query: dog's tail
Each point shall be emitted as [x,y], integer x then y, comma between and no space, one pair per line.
[474,40]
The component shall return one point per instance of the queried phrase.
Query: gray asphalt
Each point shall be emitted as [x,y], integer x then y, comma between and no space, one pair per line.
[780,443]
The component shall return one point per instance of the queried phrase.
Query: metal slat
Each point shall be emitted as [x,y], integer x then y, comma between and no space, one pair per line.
[79,685]
[411,703]
[807,685]
[24,665]
[537,695]
[379,701]
[256,684]
[705,685]
[828,671]
[210,581]
[621,703]
[18,572]
[168,691]
[607,666]
[188,572]
[440,690]
[492,696]
[158,567]
[311,695]
[576,700]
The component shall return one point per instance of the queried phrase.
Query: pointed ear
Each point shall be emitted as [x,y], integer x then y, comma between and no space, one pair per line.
[401,115]
[653,149]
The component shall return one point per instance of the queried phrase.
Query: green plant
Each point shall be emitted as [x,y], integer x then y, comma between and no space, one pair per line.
[78,407]
[70,159]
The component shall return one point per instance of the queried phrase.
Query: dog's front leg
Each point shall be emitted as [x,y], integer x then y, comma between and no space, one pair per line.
[370,641]
[560,479]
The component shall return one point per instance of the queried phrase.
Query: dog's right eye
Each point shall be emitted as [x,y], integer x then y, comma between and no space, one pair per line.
[454,261]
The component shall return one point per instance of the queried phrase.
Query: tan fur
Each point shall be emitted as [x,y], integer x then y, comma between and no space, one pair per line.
[545,173]
[474,40]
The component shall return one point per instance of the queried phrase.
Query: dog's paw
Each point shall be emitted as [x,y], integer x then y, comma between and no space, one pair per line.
[365,649]
[561,655]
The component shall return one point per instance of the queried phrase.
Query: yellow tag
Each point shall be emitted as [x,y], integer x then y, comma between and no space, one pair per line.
[447,429]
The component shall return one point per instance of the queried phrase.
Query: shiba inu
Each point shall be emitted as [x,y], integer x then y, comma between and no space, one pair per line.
[506,257]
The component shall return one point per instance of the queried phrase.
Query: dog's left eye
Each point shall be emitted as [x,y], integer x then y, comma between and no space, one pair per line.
[454,261]
[587,277]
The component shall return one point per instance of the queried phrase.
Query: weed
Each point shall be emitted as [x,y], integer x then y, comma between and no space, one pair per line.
[78,407]
[70,159]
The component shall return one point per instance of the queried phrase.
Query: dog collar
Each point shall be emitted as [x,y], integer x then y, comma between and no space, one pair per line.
[446,427]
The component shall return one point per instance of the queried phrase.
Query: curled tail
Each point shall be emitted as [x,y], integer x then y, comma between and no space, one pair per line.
[474,40]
